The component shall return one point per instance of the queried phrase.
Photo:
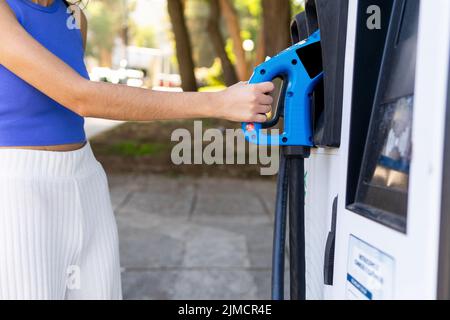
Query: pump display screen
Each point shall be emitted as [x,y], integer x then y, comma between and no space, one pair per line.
[385,178]
[383,182]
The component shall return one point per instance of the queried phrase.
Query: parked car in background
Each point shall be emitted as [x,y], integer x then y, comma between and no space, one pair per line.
[167,82]
[130,77]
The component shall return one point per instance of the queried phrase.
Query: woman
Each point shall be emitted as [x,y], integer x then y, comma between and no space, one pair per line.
[58,237]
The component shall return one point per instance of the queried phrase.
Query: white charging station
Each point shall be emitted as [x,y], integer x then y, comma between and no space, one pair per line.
[377,215]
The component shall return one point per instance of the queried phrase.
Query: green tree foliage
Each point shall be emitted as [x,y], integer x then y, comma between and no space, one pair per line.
[107,20]
[250,15]
[297,6]
[102,28]
[197,15]
[142,36]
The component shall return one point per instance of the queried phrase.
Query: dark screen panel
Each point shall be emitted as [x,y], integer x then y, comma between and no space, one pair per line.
[369,50]
[382,192]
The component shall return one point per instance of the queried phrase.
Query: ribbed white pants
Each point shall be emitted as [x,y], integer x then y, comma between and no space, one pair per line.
[58,235]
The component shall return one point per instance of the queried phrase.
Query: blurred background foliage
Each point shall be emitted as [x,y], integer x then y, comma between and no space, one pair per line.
[176,45]
[203,43]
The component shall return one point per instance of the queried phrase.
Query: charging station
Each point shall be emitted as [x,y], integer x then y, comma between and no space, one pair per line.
[392,215]
[377,211]
[376,217]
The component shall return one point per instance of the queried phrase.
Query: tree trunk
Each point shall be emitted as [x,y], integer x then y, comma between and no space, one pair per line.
[260,55]
[277,21]
[105,58]
[218,42]
[183,45]
[233,26]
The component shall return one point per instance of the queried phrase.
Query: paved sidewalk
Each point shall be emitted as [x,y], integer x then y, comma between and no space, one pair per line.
[94,126]
[194,239]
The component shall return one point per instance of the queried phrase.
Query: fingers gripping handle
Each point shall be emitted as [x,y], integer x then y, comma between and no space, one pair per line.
[297,129]
[253,131]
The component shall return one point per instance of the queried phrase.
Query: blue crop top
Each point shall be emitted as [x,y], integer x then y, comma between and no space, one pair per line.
[27,116]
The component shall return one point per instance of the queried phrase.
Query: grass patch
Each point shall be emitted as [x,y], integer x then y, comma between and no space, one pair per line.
[145,148]
[136,149]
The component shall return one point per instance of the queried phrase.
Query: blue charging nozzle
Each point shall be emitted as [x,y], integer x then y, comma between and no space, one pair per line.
[300,68]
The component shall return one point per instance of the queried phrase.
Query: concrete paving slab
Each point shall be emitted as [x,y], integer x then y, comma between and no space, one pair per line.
[143,249]
[177,203]
[263,280]
[172,284]
[215,248]
[149,285]
[228,205]
[121,187]
[151,222]
[215,284]
[193,238]
[258,239]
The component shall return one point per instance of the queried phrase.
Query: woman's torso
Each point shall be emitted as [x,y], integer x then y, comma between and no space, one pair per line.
[29,118]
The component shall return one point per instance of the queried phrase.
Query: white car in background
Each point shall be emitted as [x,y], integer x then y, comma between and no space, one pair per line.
[167,82]
[130,77]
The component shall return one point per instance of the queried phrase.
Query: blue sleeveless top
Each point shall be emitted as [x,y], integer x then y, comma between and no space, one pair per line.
[27,116]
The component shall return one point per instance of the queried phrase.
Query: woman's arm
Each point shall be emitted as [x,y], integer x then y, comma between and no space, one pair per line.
[29,60]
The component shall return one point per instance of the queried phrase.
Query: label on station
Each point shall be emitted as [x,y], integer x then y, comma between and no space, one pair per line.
[370,272]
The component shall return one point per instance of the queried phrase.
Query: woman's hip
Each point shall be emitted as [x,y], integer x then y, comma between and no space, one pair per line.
[53,185]
[55,211]
[53,165]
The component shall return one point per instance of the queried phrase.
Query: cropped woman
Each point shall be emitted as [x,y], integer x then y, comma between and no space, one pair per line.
[58,236]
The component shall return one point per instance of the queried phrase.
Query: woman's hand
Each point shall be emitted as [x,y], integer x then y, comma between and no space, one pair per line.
[245,102]
[33,63]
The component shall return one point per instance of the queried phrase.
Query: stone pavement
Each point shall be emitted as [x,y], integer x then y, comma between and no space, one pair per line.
[183,238]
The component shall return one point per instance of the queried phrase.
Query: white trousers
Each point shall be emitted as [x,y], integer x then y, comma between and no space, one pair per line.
[58,235]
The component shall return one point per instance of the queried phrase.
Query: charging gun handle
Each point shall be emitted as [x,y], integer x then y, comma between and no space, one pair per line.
[297,99]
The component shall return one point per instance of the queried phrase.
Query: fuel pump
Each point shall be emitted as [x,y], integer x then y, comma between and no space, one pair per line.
[365,151]
[311,104]
[383,191]
[300,69]
[392,231]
